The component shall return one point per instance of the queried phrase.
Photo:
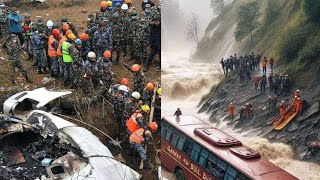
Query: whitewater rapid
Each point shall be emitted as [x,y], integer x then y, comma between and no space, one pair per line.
[184,83]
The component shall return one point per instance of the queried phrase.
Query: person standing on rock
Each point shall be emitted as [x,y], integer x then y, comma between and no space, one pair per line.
[223,66]
[231,110]
[264,65]
[14,49]
[286,84]
[271,62]
[263,83]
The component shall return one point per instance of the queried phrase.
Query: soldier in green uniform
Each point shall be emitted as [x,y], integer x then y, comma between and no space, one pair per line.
[14,50]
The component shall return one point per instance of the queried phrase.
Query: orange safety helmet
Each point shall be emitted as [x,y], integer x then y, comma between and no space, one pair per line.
[107,54]
[153,126]
[65,26]
[83,36]
[135,68]
[150,86]
[124,81]
[68,32]
[103,4]
[128,1]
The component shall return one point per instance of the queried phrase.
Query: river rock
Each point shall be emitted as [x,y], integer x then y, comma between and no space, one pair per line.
[309,112]
[293,127]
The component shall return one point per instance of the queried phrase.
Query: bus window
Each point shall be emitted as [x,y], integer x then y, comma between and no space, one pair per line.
[221,168]
[242,177]
[195,152]
[230,174]
[181,141]
[212,166]
[164,127]
[203,157]
[175,137]
[187,148]
[169,133]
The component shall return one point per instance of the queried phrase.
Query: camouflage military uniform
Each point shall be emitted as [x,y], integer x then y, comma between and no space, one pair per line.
[38,46]
[141,41]
[14,49]
[139,80]
[116,36]
[132,34]
[118,106]
[105,74]
[4,21]
[85,49]
[155,11]
[102,41]
[130,106]
[125,21]
[104,14]
[77,68]
[90,81]
[147,16]
[147,96]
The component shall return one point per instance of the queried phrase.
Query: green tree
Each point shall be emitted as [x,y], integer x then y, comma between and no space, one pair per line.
[312,9]
[247,20]
[217,6]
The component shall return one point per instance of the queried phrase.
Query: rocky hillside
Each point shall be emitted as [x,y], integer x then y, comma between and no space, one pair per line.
[286,34]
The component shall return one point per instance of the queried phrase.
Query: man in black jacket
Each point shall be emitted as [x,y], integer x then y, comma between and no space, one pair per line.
[155,42]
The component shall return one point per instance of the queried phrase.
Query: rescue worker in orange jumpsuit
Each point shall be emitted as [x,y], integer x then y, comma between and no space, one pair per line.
[142,136]
[264,65]
[298,106]
[135,122]
[282,110]
[297,93]
[231,110]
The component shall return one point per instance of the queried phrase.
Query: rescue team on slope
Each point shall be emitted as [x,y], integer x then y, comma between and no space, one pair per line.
[279,85]
[84,61]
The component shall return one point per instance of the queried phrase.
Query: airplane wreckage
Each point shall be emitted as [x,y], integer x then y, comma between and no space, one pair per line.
[36,144]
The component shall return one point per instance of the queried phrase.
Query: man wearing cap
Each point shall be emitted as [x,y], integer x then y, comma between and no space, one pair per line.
[38,47]
[102,40]
[117,33]
[141,41]
[133,26]
[15,21]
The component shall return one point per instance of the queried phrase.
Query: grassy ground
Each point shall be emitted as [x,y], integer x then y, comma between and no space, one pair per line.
[53,10]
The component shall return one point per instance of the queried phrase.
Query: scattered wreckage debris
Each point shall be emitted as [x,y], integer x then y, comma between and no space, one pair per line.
[51,147]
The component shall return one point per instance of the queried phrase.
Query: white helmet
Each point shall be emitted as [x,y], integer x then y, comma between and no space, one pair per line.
[123,88]
[91,54]
[49,23]
[136,95]
[124,7]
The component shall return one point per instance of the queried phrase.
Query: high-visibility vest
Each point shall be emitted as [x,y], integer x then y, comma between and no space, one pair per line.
[132,123]
[66,55]
[51,51]
[63,39]
[137,136]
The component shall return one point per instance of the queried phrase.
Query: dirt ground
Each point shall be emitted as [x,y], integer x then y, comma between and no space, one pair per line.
[54,10]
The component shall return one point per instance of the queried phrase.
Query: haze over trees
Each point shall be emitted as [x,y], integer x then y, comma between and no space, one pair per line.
[217,6]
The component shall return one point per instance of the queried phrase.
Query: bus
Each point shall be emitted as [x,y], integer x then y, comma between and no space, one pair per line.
[193,149]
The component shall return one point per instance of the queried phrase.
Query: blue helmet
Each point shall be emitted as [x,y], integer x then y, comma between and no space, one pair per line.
[78,42]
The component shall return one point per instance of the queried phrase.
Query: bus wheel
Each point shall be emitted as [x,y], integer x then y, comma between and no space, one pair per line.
[179,174]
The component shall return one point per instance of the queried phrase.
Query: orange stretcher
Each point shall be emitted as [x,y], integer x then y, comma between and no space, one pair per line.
[279,123]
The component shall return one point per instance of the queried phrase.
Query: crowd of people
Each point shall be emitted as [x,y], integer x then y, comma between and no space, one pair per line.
[278,84]
[84,61]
